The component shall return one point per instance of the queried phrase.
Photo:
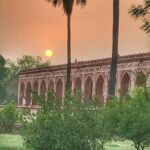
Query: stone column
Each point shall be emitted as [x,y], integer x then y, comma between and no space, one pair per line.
[73,85]
[39,85]
[25,89]
[46,94]
[148,80]
[94,84]
[118,83]
[55,85]
[63,90]
[19,84]
[82,86]
[31,100]
[83,81]
[25,92]
[133,79]
[105,94]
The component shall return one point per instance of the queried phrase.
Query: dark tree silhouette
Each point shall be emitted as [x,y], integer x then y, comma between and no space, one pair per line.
[2,78]
[2,61]
[113,70]
[142,12]
[68,8]
[2,68]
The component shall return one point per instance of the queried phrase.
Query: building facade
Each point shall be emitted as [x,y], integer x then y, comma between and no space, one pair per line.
[91,77]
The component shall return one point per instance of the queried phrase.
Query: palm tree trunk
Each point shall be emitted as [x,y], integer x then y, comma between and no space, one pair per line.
[113,70]
[68,85]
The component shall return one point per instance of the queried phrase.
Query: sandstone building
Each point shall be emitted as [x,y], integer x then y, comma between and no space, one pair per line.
[91,77]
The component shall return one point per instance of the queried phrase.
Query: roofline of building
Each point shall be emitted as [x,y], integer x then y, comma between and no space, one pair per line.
[90,63]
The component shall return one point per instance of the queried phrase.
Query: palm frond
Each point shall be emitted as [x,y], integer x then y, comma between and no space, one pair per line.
[146,26]
[67,4]
[55,2]
[81,2]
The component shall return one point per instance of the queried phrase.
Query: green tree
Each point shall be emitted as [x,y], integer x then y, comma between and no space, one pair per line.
[3,71]
[76,126]
[134,124]
[141,79]
[8,118]
[11,81]
[141,11]
[113,69]
[128,118]
[68,8]
[2,61]
[31,62]
[13,70]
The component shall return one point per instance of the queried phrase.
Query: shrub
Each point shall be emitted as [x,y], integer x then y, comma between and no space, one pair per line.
[128,118]
[75,126]
[8,118]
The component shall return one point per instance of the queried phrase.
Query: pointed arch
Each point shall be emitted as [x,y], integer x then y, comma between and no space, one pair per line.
[35,89]
[22,92]
[59,89]
[125,84]
[99,90]
[50,85]
[78,87]
[28,94]
[141,79]
[88,87]
[43,89]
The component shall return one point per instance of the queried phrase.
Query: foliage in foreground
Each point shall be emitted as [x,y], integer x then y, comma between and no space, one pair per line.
[8,118]
[75,126]
[83,126]
[128,118]
[15,142]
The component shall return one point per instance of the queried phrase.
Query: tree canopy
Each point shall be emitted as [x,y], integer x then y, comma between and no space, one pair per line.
[3,73]
[31,62]
[76,126]
[141,11]
[2,61]
[13,69]
[128,118]
[67,4]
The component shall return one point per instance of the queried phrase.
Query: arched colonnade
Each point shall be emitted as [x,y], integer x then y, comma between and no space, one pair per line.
[89,85]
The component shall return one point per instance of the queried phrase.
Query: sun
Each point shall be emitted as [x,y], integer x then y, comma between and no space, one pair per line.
[48,53]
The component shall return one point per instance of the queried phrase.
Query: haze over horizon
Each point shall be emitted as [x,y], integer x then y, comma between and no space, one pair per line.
[30,27]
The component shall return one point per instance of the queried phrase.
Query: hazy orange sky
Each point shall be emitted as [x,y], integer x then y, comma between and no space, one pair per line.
[31,26]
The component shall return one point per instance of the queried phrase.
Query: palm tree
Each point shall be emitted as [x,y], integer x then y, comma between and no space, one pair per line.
[113,70]
[68,8]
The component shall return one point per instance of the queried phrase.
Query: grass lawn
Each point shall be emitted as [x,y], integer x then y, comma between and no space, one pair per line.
[11,142]
[15,142]
[126,145]
[119,146]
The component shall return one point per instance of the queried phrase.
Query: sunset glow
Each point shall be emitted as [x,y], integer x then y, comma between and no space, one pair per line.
[32,32]
[48,53]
